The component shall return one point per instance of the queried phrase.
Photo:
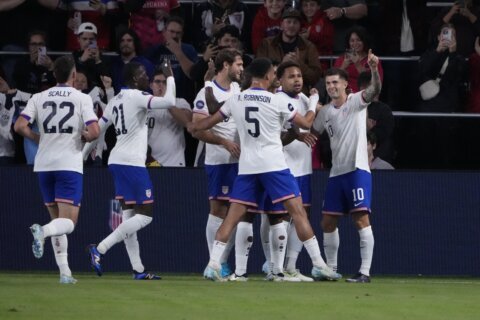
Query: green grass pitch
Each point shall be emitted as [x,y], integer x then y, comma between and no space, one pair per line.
[117,296]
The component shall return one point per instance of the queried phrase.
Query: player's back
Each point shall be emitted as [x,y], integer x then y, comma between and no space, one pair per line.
[128,113]
[62,113]
[260,116]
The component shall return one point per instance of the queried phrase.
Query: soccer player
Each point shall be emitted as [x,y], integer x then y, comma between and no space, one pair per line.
[128,112]
[222,149]
[65,117]
[349,186]
[260,116]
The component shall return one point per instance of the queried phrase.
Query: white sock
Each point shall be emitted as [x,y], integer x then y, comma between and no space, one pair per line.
[132,245]
[57,227]
[243,244]
[278,239]
[265,238]
[213,223]
[228,247]
[217,251]
[294,247]
[125,229]
[60,248]
[366,249]
[331,242]
[314,252]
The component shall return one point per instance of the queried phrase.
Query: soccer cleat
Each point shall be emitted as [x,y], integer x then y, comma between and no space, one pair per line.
[235,277]
[67,279]
[145,275]
[266,267]
[296,274]
[95,257]
[325,273]
[280,277]
[213,273]
[269,277]
[359,278]
[225,271]
[38,240]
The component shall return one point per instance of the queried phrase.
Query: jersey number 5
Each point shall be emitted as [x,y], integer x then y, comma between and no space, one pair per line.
[62,105]
[256,129]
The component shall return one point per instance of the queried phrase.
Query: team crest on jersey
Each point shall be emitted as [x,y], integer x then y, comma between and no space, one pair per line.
[148,193]
[225,189]
[200,104]
[4,118]
[290,107]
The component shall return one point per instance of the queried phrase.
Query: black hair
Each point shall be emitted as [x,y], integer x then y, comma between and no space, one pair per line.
[337,72]
[176,19]
[225,55]
[62,68]
[228,29]
[371,137]
[136,40]
[37,32]
[284,66]
[362,33]
[129,72]
[259,67]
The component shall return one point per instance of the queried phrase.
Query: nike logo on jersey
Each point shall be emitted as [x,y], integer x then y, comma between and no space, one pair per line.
[357,204]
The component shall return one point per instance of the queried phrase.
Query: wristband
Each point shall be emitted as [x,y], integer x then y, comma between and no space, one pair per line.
[312,102]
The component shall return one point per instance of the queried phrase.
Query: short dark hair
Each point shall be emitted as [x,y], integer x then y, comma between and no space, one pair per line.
[362,33]
[62,68]
[284,66]
[176,19]
[337,72]
[228,29]
[37,32]
[371,137]
[129,72]
[259,67]
[226,55]
[364,79]
[136,40]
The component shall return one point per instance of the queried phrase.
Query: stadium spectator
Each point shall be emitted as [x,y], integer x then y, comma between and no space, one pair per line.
[181,55]
[127,163]
[165,127]
[148,19]
[289,46]
[380,121]
[464,16]
[474,69]
[317,28]
[349,186]
[264,110]
[59,159]
[96,12]
[212,15]
[129,48]
[354,60]
[375,162]
[267,21]
[344,15]
[89,58]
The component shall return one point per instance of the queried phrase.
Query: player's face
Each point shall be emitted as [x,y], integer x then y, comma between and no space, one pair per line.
[309,8]
[336,86]
[159,85]
[292,80]
[127,45]
[80,82]
[235,71]
[142,78]
[274,7]
[356,43]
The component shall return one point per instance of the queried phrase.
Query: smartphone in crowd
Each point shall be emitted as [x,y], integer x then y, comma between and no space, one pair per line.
[447,34]
[93,44]
[42,52]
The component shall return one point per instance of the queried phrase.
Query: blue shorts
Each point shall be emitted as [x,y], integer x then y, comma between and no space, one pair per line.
[348,193]
[265,204]
[132,184]
[277,185]
[220,180]
[61,186]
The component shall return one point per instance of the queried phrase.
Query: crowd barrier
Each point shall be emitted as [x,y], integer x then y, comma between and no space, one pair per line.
[424,222]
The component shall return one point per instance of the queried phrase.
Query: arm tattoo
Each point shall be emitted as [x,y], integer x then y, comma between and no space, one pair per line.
[374,88]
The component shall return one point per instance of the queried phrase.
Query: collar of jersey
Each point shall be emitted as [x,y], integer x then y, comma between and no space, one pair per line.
[220,87]
[255,88]
[291,96]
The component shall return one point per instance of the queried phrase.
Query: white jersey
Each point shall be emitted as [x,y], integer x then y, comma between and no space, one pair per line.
[166,137]
[260,116]
[297,154]
[98,106]
[227,129]
[128,112]
[347,129]
[61,112]
[8,111]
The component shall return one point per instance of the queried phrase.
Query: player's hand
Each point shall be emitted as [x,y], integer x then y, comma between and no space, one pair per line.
[308,138]
[313,91]
[232,147]
[372,60]
[191,128]
[167,68]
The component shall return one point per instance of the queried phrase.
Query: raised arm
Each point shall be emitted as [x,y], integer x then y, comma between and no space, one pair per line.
[168,100]
[375,86]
